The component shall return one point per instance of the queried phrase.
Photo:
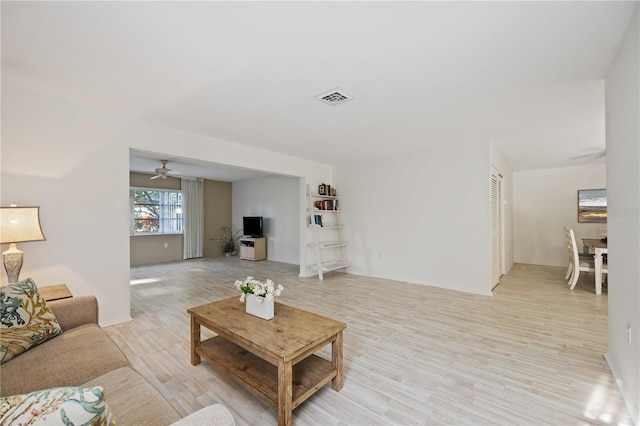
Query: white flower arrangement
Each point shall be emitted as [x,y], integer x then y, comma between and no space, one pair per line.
[261,290]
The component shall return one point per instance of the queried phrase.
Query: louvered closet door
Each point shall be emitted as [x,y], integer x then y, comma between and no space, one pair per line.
[496,228]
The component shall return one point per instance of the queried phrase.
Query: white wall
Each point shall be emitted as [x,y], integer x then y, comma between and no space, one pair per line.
[69,161]
[416,217]
[622,97]
[277,200]
[73,161]
[544,202]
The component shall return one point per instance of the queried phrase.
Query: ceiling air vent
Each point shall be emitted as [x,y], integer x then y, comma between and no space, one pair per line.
[334,97]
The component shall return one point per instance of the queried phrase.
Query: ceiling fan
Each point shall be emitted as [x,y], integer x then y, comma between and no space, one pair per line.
[163,172]
[596,154]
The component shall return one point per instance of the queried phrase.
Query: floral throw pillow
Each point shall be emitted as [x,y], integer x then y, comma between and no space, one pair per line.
[57,406]
[25,319]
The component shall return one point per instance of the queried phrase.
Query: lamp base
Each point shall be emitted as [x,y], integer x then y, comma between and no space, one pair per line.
[12,259]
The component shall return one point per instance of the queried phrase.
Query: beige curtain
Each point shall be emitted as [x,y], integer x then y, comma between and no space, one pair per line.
[193,209]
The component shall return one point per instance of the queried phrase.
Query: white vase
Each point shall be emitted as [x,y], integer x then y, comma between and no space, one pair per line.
[263,310]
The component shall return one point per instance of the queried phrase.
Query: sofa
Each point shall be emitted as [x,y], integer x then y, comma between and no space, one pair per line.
[82,355]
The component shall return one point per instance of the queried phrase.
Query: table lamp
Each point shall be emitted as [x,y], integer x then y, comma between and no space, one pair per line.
[18,225]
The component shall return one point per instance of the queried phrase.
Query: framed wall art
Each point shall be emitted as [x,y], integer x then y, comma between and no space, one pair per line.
[592,206]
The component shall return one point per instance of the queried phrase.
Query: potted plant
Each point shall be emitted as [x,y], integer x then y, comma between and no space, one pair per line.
[259,296]
[229,240]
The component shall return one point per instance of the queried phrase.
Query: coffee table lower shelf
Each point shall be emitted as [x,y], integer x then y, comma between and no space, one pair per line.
[260,377]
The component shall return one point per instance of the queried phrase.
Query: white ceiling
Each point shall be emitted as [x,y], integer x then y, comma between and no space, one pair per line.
[525,75]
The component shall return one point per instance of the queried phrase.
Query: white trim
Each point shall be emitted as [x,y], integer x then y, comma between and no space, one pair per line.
[149,234]
[151,188]
[114,322]
[631,405]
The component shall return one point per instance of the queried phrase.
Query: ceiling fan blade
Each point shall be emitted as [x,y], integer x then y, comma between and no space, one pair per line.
[593,153]
[162,172]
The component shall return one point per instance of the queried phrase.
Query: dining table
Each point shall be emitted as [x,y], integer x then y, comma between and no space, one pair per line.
[599,247]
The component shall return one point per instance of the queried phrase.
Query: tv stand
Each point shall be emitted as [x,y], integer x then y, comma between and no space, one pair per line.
[253,248]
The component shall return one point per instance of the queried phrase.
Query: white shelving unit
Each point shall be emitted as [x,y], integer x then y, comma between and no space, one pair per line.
[328,238]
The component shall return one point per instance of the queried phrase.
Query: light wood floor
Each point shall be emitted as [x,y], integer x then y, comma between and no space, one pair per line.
[414,355]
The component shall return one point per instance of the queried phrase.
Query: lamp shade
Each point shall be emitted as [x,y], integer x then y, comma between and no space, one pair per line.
[20,224]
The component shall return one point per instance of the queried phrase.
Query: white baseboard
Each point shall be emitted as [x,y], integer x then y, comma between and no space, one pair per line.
[631,404]
[114,322]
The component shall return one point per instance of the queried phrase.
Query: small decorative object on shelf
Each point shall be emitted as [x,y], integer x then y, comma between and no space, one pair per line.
[259,296]
[322,189]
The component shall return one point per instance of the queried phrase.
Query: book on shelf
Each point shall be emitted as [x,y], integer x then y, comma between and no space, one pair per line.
[326,205]
[326,190]
[317,219]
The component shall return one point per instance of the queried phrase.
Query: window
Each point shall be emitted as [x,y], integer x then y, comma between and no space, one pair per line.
[156,211]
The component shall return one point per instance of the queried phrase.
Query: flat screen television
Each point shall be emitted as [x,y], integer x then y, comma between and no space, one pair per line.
[252,226]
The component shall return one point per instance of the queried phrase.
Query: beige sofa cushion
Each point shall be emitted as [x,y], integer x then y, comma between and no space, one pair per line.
[75,311]
[62,361]
[211,415]
[133,400]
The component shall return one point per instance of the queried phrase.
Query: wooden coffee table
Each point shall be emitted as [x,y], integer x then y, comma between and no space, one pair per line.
[274,360]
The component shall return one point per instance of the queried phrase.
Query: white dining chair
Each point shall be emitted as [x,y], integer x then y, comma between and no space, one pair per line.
[578,263]
[581,255]
[601,232]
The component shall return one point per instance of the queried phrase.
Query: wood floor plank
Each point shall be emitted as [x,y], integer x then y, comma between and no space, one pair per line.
[413,354]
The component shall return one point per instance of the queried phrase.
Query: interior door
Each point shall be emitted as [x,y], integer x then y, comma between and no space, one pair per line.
[496,227]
